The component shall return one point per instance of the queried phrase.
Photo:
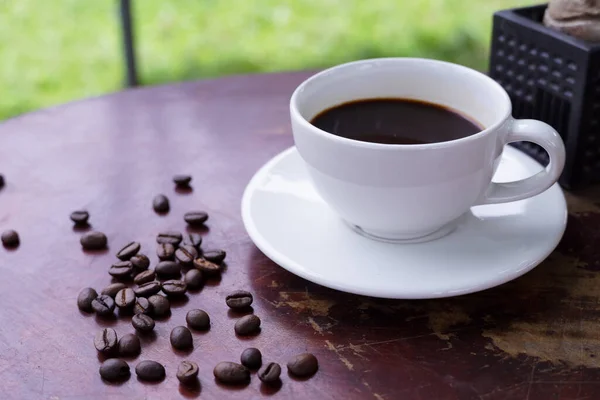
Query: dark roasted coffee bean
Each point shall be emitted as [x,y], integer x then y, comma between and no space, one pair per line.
[147,289]
[93,240]
[142,306]
[239,299]
[129,345]
[193,279]
[192,239]
[150,371]
[174,287]
[165,251]
[171,237]
[85,298]
[106,341]
[195,218]
[144,277]
[207,267]
[182,180]
[112,289]
[103,305]
[10,238]
[251,358]
[247,325]
[140,262]
[142,322]
[186,254]
[125,298]
[128,251]
[181,338]
[160,305]
[121,270]
[160,203]
[215,256]
[303,365]
[187,372]
[114,370]
[270,373]
[198,320]
[168,269]
[231,373]
[1,181]
[80,217]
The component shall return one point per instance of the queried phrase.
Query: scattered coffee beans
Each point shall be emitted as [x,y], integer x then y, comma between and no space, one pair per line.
[140,262]
[80,217]
[142,322]
[142,306]
[187,372]
[195,218]
[303,365]
[125,298]
[93,240]
[10,238]
[231,373]
[144,277]
[186,254]
[251,358]
[129,345]
[114,370]
[171,237]
[150,371]
[193,279]
[160,305]
[168,269]
[112,289]
[128,251]
[247,325]
[215,256]
[165,251]
[198,320]
[174,287]
[182,180]
[192,239]
[181,338]
[103,305]
[121,270]
[160,203]
[239,299]
[85,298]
[270,373]
[147,289]
[207,267]
[106,341]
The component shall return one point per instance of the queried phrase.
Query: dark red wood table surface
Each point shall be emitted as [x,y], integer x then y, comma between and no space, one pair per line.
[535,338]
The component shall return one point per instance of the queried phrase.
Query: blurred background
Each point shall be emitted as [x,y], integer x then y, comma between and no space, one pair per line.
[54,51]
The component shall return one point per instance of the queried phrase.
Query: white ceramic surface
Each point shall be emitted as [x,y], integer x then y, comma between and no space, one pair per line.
[411,191]
[492,244]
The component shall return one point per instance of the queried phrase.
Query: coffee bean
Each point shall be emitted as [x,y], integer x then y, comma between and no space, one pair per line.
[198,320]
[171,237]
[121,270]
[160,203]
[144,277]
[186,254]
[85,298]
[193,279]
[142,322]
[160,305]
[231,373]
[128,251]
[174,287]
[10,238]
[106,341]
[168,269]
[270,373]
[181,338]
[303,365]
[103,305]
[150,371]
[93,240]
[182,180]
[80,217]
[165,251]
[142,306]
[207,267]
[239,299]
[129,345]
[147,289]
[125,298]
[195,218]
[112,289]
[192,239]
[215,256]
[1,181]
[187,372]
[114,370]
[140,262]
[247,325]
[251,358]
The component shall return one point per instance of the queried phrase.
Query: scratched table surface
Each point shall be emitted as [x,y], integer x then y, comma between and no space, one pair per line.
[537,337]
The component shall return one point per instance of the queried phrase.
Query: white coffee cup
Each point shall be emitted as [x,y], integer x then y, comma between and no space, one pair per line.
[407,192]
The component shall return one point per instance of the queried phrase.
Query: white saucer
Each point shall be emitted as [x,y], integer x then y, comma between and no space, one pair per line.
[493,244]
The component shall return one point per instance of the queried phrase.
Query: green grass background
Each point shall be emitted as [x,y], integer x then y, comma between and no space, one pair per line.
[53,51]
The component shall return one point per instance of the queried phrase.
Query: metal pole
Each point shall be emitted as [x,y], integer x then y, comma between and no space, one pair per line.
[131,78]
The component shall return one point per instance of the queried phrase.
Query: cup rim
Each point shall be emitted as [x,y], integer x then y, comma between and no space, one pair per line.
[385,146]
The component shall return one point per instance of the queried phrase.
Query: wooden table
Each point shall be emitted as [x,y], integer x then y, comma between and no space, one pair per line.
[537,337]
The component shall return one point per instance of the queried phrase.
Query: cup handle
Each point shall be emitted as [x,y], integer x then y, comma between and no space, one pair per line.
[544,135]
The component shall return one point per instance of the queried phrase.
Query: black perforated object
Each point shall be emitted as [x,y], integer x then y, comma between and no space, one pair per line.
[553,77]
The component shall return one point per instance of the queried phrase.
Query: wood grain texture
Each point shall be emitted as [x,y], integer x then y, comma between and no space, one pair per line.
[535,338]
